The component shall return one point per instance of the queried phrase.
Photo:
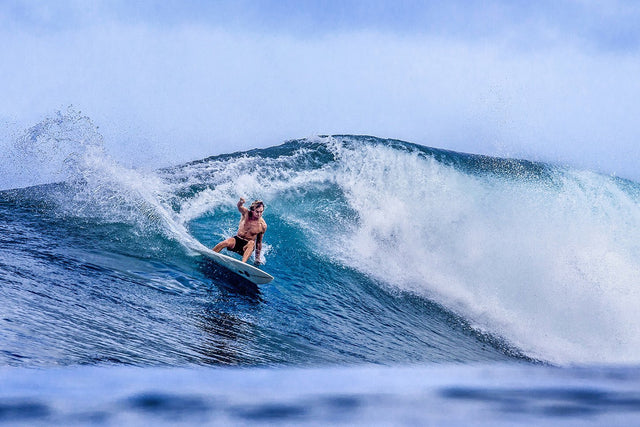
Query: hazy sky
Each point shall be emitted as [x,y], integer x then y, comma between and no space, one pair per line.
[170,81]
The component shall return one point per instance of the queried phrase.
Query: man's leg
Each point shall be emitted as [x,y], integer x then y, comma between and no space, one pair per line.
[228,243]
[248,250]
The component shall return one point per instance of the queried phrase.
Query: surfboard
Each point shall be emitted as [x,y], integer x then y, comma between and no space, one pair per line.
[242,269]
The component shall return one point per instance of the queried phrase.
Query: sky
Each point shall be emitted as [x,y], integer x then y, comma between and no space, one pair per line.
[173,81]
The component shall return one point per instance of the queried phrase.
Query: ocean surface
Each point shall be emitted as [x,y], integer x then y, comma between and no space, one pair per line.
[413,286]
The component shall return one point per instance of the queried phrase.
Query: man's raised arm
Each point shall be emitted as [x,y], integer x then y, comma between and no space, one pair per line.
[241,208]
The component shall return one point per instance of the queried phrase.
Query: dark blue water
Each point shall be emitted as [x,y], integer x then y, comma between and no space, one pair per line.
[443,270]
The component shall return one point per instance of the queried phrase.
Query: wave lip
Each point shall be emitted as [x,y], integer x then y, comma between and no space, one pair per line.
[544,256]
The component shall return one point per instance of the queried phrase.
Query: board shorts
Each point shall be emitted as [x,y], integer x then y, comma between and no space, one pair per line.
[239,246]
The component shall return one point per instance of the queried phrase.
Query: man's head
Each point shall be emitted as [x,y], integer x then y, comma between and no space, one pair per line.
[256,209]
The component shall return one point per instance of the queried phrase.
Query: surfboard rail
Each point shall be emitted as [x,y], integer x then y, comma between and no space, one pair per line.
[242,269]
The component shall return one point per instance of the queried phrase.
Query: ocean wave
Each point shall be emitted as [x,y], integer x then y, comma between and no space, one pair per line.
[534,259]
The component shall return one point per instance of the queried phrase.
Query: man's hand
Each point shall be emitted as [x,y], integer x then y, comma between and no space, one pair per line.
[241,202]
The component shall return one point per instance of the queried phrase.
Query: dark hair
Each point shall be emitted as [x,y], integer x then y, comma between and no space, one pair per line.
[255,204]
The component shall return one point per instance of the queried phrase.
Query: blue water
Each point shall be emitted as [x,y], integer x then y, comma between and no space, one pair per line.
[412,285]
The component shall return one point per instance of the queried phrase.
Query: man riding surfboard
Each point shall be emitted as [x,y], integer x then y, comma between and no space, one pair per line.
[250,232]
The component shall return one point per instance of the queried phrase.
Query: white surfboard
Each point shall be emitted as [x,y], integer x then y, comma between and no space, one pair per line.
[249,272]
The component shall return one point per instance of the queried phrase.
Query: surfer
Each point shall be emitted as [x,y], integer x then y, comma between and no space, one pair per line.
[250,231]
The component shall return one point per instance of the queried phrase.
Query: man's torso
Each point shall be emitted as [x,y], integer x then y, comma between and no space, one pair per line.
[249,229]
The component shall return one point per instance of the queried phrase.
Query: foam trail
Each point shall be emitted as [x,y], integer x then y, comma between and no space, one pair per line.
[68,148]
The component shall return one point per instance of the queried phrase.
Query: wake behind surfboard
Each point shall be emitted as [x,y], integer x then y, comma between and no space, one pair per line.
[242,269]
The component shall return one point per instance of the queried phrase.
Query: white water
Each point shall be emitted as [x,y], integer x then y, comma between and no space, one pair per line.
[553,266]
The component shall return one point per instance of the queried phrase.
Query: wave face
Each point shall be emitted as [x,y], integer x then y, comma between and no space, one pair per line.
[383,252]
